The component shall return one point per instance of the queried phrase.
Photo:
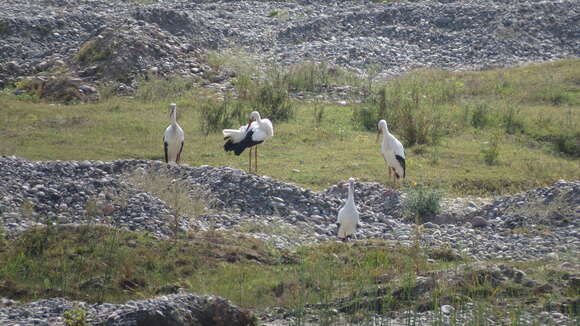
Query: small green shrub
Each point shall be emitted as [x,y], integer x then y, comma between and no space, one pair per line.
[245,86]
[491,149]
[75,317]
[318,114]
[155,89]
[366,117]
[512,121]
[93,51]
[481,116]
[215,116]
[317,77]
[423,202]
[414,105]
[274,101]
[568,143]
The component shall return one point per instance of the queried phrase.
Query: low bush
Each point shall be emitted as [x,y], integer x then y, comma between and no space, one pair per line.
[512,121]
[423,202]
[58,89]
[366,117]
[155,89]
[491,150]
[568,143]
[273,101]
[218,115]
[481,116]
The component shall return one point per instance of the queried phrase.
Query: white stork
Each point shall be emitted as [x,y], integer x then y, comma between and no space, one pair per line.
[256,132]
[173,138]
[348,215]
[393,152]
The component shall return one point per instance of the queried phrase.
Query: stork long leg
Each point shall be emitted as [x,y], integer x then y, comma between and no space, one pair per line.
[250,165]
[256,158]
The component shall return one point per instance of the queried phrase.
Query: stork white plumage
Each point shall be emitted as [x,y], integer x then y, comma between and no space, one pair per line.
[348,217]
[173,138]
[392,151]
[256,132]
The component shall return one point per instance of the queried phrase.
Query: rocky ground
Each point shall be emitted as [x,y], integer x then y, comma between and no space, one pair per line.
[538,224]
[534,224]
[99,40]
[175,309]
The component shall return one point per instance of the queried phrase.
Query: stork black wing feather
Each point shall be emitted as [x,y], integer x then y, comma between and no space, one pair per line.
[238,148]
[402,162]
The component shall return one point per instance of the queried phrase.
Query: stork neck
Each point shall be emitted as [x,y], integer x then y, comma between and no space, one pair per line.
[386,133]
[351,193]
[174,118]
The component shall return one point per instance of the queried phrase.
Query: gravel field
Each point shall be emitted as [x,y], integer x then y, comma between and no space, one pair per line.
[169,37]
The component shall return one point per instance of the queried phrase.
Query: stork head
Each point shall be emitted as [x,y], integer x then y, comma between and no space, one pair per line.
[254,116]
[351,182]
[172,109]
[381,128]
[383,125]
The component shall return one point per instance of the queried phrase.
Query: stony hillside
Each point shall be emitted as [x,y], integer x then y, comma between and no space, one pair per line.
[541,223]
[288,215]
[116,40]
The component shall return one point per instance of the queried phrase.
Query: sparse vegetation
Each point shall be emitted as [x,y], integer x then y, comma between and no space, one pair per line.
[93,51]
[185,203]
[548,139]
[422,202]
[361,280]
[491,149]
[59,89]
[218,115]
[75,317]
[156,89]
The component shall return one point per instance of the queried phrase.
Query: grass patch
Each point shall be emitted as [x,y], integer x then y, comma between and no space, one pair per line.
[102,264]
[326,150]
[94,51]
[361,279]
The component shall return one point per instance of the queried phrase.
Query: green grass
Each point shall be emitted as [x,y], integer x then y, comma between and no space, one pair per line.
[99,263]
[361,279]
[317,153]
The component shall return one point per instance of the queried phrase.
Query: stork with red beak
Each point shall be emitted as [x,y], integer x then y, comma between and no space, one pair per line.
[256,132]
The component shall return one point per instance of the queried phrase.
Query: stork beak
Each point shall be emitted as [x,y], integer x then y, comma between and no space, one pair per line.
[249,124]
[378,134]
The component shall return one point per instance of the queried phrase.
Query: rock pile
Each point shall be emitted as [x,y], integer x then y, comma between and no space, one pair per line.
[175,309]
[285,214]
[168,37]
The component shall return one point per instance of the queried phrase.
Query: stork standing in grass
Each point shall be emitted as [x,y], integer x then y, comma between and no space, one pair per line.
[393,152]
[173,138]
[348,215]
[256,132]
